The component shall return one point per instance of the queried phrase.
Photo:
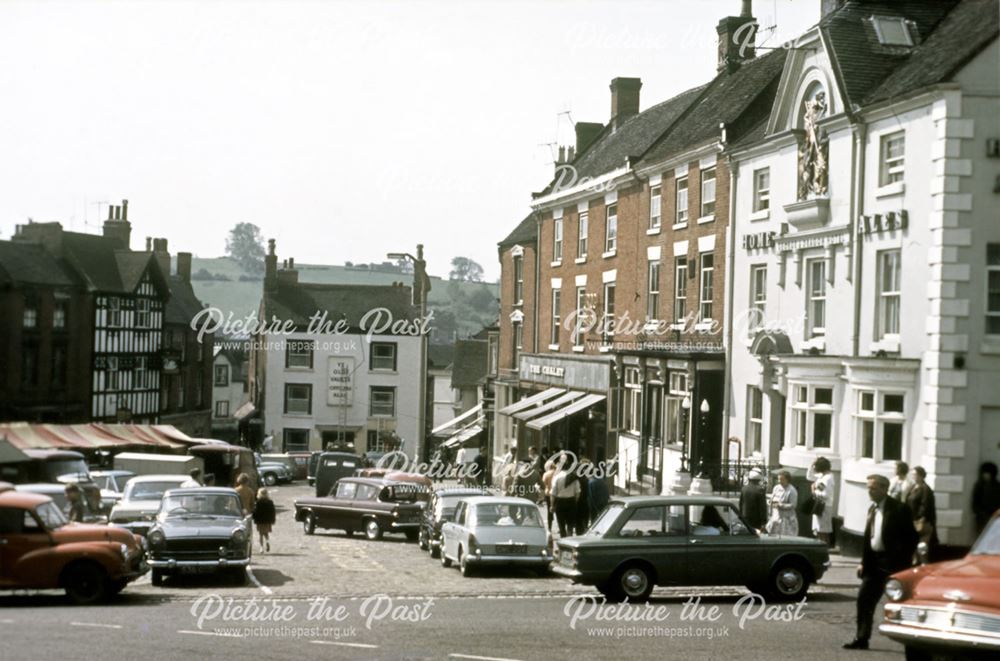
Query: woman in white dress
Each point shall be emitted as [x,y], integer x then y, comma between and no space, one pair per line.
[821,476]
[784,500]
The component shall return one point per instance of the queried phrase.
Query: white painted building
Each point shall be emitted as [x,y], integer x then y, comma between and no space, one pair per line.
[879,342]
[230,391]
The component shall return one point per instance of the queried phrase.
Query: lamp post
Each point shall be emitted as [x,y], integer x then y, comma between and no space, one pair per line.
[686,408]
[421,285]
[702,429]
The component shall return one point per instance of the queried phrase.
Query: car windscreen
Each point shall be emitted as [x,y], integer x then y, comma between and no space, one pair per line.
[202,504]
[605,519]
[149,490]
[505,514]
[988,542]
[51,515]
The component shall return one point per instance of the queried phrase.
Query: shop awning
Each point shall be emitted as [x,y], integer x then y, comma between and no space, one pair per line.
[463,436]
[531,401]
[91,436]
[575,407]
[443,430]
[10,454]
[551,405]
[245,411]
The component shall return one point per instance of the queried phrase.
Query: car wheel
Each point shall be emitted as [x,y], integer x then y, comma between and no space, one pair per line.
[422,541]
[635,582]
[445,562]
[157,577]
[270,479]
[435,551]
[463,564]
[86,583]
[373,530]
[789,582]
[309,524]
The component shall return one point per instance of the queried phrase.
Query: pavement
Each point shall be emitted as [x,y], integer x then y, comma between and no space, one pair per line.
[330,596]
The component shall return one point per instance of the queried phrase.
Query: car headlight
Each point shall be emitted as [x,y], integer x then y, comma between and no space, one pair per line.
[239,538]
[894,590]
[123,548]
[156,538]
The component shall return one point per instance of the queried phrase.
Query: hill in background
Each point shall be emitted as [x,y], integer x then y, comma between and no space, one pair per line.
[460,309]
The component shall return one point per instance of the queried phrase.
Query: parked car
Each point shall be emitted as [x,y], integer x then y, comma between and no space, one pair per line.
[313,465]
[200,530]
[361,504]
[441,508]
[41,550]
[496,531]
[57,492]
[59,467]
[301,460]
[141,501]
[949,609]
[112,485]
[331,467]
[639,542]
[272,472]
[421,483]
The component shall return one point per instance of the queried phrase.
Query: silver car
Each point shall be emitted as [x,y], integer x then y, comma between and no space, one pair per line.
[141,500]
[494,530]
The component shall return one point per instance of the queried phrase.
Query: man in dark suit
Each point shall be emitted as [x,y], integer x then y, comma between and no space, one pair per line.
[753,501]
[890,540]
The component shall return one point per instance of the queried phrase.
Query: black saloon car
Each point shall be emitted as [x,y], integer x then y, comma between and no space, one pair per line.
[441,508]
[200,530]
[359,504]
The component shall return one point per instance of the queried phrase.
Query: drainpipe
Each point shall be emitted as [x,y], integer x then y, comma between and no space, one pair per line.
[538,263]
[734,169]
[857,208]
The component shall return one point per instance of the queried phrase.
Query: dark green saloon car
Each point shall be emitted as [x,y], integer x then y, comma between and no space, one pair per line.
[644,541]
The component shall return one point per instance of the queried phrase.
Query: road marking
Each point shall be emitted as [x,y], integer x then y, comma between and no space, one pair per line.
[253,579]
[191,632]
[331,642]
[480,658]
[97,625]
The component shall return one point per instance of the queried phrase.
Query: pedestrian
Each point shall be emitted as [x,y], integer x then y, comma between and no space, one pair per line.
[921,503]
[247,496]
[889,543]
[535,460]
[75,509]
[753,501]
[598,496]
[784,499]
[463,473]
[985,495]
[901,483]
[480,463]
[547,477]
[264,516]
[583,502]
[821,476]
[194,479]
[565,492]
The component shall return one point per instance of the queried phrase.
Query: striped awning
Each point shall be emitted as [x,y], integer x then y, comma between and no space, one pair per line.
[92,436]
[461,437]
[528,402]
[561,414]
[558,402]
[445,429]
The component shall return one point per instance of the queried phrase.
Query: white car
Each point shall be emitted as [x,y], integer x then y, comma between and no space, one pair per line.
[141,500]
[496,531]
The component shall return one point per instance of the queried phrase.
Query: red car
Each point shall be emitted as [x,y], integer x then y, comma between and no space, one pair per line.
[949,609]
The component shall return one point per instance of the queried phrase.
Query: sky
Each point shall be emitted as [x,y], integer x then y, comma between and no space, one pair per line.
[344,130]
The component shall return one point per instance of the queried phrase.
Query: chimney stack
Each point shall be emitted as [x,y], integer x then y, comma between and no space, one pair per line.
[586,133]
[184,266]
[624,99]
[737,35]
[117,226]
[162,256]
[828,7]
[270,267]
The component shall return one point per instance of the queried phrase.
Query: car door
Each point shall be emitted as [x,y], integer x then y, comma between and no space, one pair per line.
[450,531]
[656,534]
[337,511]
[723,550]
[20,533]
[364,503]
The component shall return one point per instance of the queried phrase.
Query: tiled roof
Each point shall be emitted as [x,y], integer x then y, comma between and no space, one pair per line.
[300,301]
[861,62]
[739,99]
[440,356]
[963,33]
[525,232]
[183,304]
[29,263]
[470,363]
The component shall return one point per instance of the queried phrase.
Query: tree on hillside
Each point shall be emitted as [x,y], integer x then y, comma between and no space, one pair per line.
[465,269]
[246,245]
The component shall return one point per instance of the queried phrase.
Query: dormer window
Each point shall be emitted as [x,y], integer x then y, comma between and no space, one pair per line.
[894,30]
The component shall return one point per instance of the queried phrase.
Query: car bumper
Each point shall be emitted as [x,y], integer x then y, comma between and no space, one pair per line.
[399,526]
[510,560]
[221,563]
[939,639]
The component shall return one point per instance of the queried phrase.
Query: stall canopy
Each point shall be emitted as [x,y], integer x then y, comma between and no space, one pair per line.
[92,436]
[463,436]
[552,404]
[560,414]
[9,454]
[447,428]
[528,402]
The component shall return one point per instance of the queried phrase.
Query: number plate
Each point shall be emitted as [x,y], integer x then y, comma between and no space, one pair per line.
[512,549]
[197,569]
[566,559]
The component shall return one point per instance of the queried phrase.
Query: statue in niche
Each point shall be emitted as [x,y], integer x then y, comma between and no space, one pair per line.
[813,150]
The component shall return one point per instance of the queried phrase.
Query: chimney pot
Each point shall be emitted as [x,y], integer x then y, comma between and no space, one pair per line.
[149,244]
[184,266]
[736,38]
[111,212]
[291,262]
[124,209]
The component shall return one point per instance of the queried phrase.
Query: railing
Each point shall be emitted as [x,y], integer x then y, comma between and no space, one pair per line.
[729,477]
